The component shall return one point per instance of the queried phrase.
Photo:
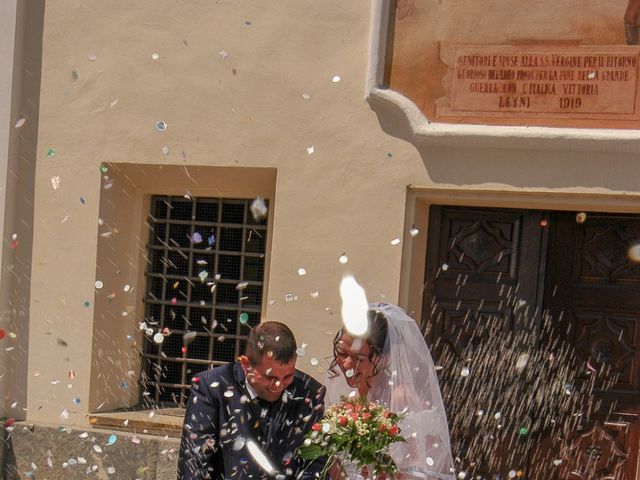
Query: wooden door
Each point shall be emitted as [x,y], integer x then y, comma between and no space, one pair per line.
[512,376]
[592,294]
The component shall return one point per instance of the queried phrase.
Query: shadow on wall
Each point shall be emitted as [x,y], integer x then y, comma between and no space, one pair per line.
[528,167]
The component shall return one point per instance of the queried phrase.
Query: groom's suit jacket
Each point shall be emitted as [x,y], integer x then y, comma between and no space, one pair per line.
[221,418]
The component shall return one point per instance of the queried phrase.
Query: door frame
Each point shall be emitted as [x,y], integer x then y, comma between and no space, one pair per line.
[419,199]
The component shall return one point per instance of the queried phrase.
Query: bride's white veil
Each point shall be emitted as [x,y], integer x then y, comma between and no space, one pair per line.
[407,382]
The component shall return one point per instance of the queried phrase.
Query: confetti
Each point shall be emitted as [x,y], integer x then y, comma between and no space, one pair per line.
[244,318]
[354,306]
[336,79]
[395,241]
[343,258]
[158,338]
[314,361]
[165,150]
[155,56]
[300,351]
[310,150]
[258,209]
[51,152]
[55,182]
[413,231]
[196,238]
[99,284]
[634,253]
[260,457]
[75,73]
[20,122]
[161,126]
[223,54]
[306,96]
[92,57]
[113,102]
[581,217]
[203,275]
[302,272]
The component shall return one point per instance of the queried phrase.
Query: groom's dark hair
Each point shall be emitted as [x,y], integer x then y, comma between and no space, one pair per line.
[273,339]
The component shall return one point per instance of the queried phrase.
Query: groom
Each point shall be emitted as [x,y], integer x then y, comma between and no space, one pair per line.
[245,420]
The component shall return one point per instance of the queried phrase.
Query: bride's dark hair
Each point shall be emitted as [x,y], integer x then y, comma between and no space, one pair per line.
[375,337]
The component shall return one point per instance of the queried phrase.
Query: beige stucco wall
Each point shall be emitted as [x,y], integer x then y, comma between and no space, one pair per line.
[246,110]
[20,57]
[7,49]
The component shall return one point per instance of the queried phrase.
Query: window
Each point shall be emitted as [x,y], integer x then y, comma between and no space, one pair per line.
[204,284]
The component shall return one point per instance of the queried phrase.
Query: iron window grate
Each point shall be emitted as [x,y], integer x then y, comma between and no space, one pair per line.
[204,284]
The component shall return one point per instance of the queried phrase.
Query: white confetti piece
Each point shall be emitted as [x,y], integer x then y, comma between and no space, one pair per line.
[55,182]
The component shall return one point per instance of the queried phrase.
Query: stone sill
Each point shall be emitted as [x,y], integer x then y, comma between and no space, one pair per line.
[165,422]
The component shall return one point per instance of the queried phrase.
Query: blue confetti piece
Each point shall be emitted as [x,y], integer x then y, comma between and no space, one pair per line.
[211,240]
[82,200]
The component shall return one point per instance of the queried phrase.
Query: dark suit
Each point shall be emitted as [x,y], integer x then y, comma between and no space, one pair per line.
[221,418]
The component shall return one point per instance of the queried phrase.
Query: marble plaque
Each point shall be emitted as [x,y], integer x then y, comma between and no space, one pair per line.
[585,86]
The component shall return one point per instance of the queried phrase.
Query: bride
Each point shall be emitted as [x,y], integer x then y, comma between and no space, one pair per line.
[391,364]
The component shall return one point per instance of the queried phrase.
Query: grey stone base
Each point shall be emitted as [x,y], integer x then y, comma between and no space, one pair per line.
[71,454]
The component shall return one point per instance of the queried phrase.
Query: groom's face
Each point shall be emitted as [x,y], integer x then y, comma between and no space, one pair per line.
[270,378]
[353,356]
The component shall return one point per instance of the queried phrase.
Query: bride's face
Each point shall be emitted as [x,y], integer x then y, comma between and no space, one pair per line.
[353,356]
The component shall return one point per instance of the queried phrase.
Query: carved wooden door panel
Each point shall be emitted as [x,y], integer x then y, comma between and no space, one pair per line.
[593,285]
[480,299]
[487,281]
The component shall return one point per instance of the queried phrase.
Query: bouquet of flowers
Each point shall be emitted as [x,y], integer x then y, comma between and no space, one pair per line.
[356,431]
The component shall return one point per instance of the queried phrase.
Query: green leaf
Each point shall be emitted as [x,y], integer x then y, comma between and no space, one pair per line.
[311,452]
